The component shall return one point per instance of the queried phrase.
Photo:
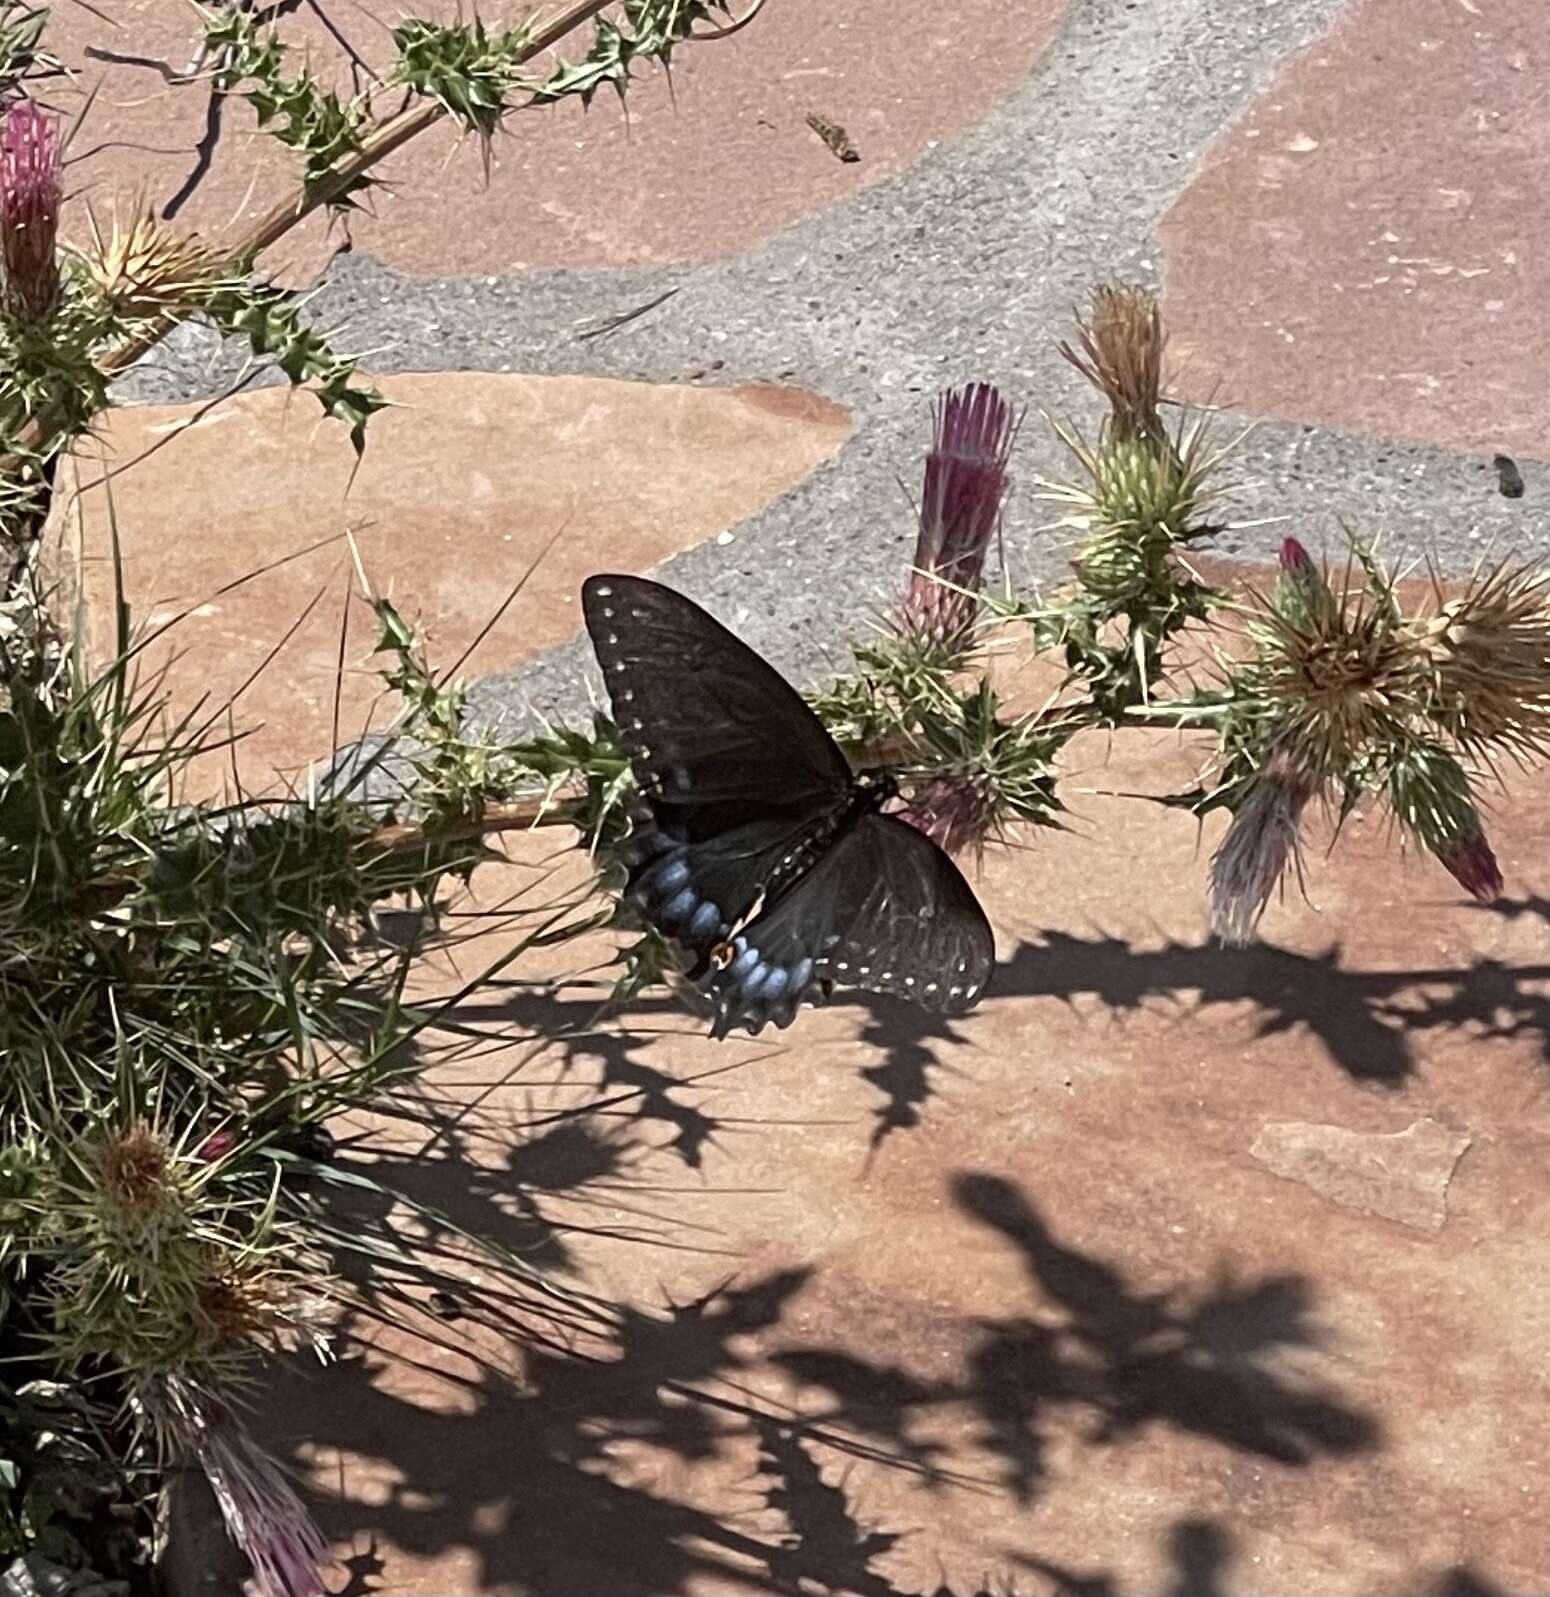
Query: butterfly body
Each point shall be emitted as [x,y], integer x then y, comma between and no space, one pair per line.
[755,848]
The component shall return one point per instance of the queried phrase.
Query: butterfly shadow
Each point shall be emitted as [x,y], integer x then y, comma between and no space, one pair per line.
[1365,1020]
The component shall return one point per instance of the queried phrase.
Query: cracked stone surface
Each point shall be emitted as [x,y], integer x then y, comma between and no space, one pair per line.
[240,518]
[1402,1175]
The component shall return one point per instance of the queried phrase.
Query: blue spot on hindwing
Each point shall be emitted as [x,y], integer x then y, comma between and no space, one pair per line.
[774,983]
[666,877]
[679,907]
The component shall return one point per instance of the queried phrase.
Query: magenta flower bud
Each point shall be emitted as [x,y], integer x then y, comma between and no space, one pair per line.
[30,195]
[216,1146]
[1296,561]
[1302,596]
[960,506]
[1472,864]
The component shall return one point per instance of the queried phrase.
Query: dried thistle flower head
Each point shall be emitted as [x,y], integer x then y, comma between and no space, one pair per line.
[1336,673]
[30,196]
[1121,355]
[1429,792]
[1259,845]
[136,1180]
[1488,658]
[145,271]
[960,508]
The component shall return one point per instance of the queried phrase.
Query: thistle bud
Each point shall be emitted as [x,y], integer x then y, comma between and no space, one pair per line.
[1429,792]
[1260,843]
[30,195]
[960,506]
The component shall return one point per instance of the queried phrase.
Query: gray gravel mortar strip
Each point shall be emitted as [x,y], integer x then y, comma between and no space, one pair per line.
[965,267]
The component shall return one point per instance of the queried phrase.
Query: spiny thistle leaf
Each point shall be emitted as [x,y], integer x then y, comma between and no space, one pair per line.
[651,30]
[270,319]
[469,70]
[297,111]
[21,45]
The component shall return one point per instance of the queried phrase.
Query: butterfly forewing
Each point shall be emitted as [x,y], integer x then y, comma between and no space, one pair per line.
[706,721]
[884,909]
[739,779]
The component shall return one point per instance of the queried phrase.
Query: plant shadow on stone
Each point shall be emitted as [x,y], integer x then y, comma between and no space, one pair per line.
[526,1474]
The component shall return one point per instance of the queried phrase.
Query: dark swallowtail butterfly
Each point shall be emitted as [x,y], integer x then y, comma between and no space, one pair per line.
[755,848]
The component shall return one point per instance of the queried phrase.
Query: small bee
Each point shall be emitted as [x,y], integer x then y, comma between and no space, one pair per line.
[834,136]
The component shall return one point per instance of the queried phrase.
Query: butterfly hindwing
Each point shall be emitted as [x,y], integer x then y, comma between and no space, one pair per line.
[883,909]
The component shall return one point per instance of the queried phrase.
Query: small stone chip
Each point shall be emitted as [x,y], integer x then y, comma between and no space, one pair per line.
[1401,1175]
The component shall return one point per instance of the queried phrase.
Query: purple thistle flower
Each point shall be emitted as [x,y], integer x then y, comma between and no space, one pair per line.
[30,196]
[1259,845]
[960,505]
[264,1517]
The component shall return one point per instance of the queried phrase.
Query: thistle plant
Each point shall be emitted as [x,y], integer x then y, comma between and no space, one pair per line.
[1344,695]
[1138,506]
[189,993]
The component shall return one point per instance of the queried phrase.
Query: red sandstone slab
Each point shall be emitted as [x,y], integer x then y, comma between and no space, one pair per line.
[1037,1253]
[1365,248]
[711,163]
[465,483]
